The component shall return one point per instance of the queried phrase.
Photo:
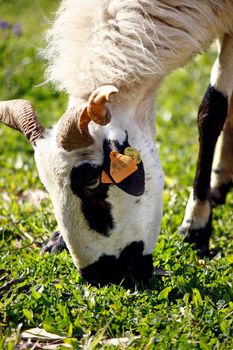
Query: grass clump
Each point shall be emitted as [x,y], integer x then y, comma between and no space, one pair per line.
[189,309]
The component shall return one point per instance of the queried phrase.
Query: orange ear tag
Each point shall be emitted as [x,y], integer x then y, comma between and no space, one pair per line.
[105,179]
[121,166]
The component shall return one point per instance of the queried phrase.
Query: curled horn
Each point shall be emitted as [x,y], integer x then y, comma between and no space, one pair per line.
[20,115]
[73,130]
[69,136]
[96,104]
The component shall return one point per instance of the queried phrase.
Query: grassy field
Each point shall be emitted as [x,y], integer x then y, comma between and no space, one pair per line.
[191,308]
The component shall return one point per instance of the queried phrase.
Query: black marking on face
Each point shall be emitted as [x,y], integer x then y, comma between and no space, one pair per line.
[130,268]
[95,208]
[211,118]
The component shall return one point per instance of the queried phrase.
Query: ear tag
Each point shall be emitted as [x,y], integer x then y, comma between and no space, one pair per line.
[133,153]
[121,166]
[105,179]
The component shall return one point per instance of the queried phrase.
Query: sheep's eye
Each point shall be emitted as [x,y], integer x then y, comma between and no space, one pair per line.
[94,184]
[85,180]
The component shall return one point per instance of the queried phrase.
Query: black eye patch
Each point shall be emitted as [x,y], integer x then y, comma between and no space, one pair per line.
[95,208]
[83,177]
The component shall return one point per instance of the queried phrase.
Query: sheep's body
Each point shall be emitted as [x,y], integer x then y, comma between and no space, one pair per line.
[132,44]
[127,43]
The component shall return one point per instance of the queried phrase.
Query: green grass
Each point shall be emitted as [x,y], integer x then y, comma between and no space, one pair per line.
[190,309]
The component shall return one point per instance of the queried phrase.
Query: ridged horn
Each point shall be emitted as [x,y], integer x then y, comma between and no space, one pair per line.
[73,130]
[20,115]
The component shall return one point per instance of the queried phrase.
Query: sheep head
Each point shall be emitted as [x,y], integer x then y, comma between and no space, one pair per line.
[108,221]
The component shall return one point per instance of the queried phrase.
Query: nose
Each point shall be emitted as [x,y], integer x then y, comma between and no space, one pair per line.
[130,268]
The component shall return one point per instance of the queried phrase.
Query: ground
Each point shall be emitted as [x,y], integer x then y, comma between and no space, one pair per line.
[190,308]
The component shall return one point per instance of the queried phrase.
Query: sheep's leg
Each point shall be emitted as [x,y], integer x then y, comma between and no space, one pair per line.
[54,244]
[222,172]
[197,223]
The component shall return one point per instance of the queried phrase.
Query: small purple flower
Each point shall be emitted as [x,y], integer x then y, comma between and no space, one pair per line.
[4,25]
[17,30]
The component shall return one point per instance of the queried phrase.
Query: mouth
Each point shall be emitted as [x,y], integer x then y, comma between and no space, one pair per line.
[131,268]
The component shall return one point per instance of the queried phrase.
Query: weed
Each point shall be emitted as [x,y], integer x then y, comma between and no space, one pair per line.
[191,308]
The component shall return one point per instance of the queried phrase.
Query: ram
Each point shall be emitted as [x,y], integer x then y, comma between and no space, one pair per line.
[99,163]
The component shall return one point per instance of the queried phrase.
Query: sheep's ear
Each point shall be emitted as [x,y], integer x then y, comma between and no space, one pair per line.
[20,115]
[134,182]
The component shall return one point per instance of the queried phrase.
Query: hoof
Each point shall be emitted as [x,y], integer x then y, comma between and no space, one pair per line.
[54,244]
[218,195]
[198,237]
